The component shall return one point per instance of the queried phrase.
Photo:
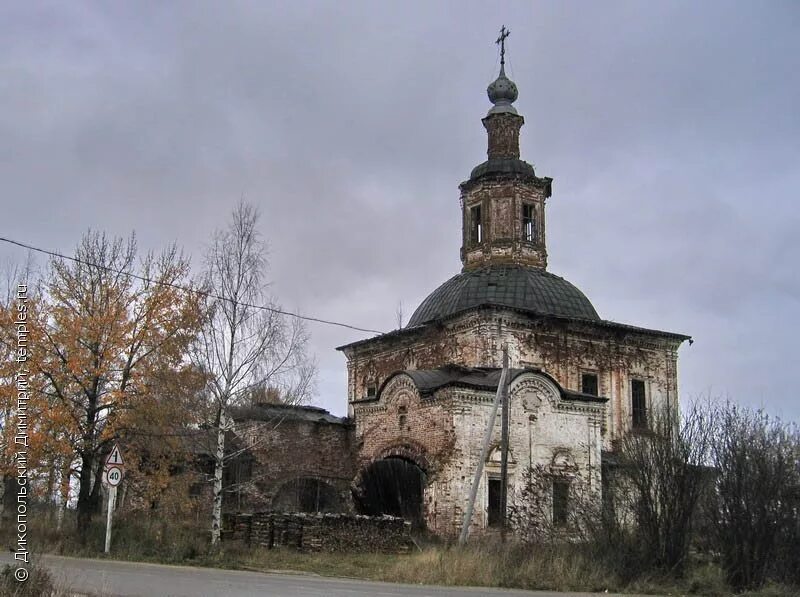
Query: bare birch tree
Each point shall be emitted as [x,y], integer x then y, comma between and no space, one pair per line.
[243,345]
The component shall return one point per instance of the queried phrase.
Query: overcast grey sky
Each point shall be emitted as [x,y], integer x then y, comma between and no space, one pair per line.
[672,131]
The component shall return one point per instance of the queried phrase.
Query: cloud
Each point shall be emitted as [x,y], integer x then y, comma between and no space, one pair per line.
[670,131]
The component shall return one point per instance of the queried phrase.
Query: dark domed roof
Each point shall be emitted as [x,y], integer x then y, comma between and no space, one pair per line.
[510,166]
[524,288]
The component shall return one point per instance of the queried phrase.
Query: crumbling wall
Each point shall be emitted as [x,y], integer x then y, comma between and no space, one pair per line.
[563,349]
[404,424]
[615,356]
[294,451]
[443,433]
[562,436]
[502,202]
[545,429]
[369,366]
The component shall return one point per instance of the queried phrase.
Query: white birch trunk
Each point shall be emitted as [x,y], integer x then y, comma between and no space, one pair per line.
[63,494]
[219,460]
[243,348]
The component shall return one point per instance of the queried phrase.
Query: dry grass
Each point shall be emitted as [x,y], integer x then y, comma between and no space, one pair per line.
[564,568]
[511,565]
[482,563]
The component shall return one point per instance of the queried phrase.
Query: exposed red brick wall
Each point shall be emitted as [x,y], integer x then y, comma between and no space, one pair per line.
[560,348]
[424,435]
[291,449]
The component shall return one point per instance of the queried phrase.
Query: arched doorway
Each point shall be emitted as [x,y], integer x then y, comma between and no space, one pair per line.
[393,485]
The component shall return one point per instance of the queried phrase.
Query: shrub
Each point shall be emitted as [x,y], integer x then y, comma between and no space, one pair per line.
[753,510]
[662,478]
[39,583]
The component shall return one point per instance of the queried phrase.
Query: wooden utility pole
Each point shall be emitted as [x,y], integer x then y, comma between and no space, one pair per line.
[504,446]
[487,438]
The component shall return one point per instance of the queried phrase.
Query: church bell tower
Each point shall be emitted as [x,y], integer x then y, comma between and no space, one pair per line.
[503,202]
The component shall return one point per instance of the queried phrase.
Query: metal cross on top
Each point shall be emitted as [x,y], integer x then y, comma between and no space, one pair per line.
[504,33]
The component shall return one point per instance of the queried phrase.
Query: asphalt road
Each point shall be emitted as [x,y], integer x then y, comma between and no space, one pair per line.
[108,578]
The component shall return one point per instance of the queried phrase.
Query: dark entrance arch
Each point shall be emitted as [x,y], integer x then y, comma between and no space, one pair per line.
[391,485]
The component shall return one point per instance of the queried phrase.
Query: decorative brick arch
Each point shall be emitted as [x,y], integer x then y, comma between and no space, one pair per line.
[410,451]
[398,384]
[535,389]
[393,483]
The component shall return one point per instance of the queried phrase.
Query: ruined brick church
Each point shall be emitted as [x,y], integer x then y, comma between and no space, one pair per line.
[419,398]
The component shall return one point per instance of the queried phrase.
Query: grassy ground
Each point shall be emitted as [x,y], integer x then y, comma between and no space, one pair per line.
[487,563]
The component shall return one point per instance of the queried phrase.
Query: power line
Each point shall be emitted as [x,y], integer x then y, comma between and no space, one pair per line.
[184,288]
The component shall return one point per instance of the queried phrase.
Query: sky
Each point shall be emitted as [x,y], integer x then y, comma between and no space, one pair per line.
[671,130]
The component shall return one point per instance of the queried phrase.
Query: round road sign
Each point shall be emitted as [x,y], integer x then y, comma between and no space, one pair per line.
[114,476]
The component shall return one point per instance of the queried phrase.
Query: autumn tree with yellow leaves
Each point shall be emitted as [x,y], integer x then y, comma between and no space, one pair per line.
[160,439]
[108,323]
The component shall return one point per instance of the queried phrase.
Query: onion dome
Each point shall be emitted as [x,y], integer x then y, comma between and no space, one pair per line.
[502,93]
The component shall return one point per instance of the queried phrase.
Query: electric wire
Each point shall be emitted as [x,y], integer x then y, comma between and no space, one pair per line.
[210,295]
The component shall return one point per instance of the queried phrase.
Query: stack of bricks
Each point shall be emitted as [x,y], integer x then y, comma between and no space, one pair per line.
[321,532]
[241,526]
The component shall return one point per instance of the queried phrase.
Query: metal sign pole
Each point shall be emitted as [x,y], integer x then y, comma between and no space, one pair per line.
[112,498]
[115,471]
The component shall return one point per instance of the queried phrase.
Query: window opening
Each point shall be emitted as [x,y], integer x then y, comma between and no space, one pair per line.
[638,404]
[528,223]
[476,224]
[560,503]
[589,384]
[495,516]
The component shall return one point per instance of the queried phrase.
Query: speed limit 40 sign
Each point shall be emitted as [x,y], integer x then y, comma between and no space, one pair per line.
[115,470]
[113,476]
